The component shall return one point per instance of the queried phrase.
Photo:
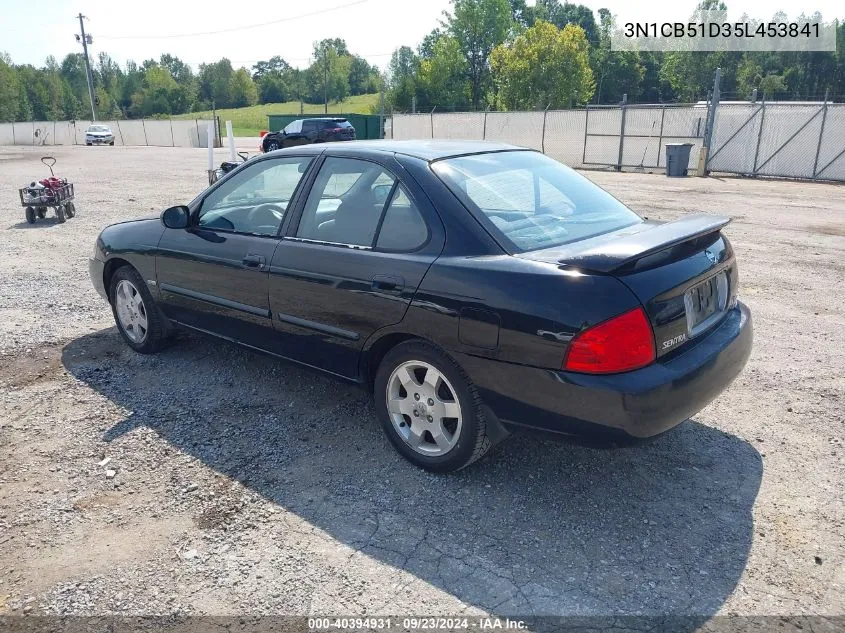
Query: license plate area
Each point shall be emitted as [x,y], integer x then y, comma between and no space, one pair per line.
[705,303]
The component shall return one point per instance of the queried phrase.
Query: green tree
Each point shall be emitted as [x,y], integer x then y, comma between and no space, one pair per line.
[442,76]
[402,77]
[243,89]
[479,26]
[544,66]
[562,14]
[360,76]
[328,75]
[617,73]
[9,87]
[215,83]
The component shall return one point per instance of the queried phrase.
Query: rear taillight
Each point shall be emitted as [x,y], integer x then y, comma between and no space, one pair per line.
[623,343]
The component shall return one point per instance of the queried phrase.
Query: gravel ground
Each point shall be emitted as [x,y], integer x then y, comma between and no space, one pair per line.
[211,480]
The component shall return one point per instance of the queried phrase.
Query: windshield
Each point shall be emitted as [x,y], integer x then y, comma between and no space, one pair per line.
[529,201]
[98,128]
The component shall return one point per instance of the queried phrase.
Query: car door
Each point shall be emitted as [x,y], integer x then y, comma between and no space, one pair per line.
[300,133]
[214,275]
[351,261]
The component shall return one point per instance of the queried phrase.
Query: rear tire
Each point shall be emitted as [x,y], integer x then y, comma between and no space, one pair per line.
[429,409]
[60,213]
[41,212]
[138,318]
[112,143]
[70,209]
[30,215]
[89,144]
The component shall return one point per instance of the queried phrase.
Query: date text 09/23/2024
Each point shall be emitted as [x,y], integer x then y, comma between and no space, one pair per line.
[431,623]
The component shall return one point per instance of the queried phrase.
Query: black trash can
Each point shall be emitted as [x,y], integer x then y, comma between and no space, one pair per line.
[677,159]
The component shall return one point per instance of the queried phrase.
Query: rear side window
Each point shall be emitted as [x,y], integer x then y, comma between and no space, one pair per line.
[344,206]
[530,201]
[403,228]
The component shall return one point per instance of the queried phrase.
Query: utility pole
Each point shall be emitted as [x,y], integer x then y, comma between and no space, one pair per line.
[86,40]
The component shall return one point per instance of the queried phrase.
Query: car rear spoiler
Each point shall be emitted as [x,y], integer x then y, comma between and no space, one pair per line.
[613,251]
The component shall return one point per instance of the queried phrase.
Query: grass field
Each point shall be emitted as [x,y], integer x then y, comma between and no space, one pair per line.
[250,120]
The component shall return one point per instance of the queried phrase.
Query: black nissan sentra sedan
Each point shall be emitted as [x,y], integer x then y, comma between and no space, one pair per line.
[474,288]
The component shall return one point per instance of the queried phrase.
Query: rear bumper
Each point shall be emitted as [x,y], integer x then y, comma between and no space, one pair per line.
[637,404]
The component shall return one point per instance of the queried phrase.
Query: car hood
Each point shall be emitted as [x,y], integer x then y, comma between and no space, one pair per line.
[132,235]
[99,133]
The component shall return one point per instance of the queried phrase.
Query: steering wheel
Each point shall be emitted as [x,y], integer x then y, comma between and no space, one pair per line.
[268,214]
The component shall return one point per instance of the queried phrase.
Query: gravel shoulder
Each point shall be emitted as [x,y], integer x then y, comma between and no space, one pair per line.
[212,480]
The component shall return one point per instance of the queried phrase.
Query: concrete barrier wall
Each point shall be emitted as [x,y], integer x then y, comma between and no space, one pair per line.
[780,139]
[127,132]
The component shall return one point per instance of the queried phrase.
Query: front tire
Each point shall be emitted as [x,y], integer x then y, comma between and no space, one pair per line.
[30,215]
[429,409]
[60,213]
[70,209]
[136,314]
[271,145]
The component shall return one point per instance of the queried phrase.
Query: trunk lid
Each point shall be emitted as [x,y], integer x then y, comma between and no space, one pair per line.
[683,272]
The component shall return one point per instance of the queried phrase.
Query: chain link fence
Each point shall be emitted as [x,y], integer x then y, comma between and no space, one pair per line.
[153,132]
[759,139]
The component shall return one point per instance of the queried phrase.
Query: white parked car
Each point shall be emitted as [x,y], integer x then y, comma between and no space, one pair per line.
[99,135]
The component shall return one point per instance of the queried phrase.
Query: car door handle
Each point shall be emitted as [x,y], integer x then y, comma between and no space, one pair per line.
[254,261]
[388,283]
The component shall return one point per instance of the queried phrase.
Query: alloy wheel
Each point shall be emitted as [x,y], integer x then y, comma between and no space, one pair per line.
[424,408]
[131,311]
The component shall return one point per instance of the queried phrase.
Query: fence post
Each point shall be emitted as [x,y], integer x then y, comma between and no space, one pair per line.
[704,157]
[821,133]
[586,128]
[431,115]
[144,127]
[54,133]
[760,132]
[122,142]
[172,140]
[543,135]
[660,140]
[14,142]
[33,132]
[484,129]
[622,133]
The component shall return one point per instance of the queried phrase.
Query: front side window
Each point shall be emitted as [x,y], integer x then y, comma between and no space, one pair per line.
[295,127]
[531,201]
[255,199]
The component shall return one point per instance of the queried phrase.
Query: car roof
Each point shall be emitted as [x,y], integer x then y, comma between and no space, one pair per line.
[428,150]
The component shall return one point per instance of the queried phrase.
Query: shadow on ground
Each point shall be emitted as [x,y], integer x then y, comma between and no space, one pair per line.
[537,527]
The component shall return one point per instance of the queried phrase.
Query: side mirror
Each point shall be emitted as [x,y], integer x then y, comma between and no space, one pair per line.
[176,217]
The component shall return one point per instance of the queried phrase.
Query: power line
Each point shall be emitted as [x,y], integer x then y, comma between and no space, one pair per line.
[236,28]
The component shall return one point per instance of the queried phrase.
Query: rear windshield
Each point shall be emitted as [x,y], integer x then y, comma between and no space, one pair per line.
[529,201]
[336,124]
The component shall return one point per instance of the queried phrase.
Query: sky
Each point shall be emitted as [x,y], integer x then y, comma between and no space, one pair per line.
[30,30]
